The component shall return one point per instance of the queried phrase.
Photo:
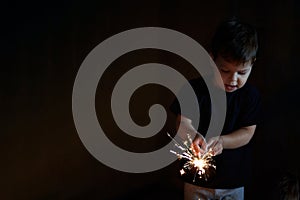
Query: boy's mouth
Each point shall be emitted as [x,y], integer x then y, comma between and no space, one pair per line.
[230,88]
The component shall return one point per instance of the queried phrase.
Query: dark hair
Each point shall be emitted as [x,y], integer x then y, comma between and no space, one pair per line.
[289,187]
[235,41]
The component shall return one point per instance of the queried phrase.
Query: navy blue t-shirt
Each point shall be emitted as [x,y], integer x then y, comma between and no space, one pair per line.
[243,109]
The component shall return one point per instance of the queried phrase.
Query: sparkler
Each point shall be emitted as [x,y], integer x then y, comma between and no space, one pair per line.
[201,165]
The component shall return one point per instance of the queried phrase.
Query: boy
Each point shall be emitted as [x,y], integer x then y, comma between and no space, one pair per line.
[233,50]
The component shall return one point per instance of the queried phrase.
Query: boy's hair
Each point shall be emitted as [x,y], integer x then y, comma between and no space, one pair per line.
[289,187]
[235,41]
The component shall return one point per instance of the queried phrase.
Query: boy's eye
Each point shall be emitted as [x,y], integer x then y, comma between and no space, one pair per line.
[243,72]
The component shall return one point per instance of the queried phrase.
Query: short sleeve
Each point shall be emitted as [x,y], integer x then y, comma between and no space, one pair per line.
[200,117]
[199,87]
[175,107]
[251,109]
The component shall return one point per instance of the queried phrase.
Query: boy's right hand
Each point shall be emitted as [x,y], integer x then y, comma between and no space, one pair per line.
[184,127]
[199,145]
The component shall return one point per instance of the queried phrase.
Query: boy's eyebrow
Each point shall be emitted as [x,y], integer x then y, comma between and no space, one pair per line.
[247,69]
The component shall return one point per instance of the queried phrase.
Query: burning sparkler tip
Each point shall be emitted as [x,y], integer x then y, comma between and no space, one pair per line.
[200,165]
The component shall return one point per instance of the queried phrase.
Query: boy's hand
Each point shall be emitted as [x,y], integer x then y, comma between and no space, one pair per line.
[216,144]
[199,145]
[185,127]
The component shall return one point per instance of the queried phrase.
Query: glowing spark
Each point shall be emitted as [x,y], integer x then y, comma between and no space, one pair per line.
[201,165]
[182,172]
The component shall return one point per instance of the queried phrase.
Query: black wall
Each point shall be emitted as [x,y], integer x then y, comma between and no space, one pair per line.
[42,47]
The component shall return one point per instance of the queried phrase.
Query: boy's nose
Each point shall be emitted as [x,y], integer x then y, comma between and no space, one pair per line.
[234,78]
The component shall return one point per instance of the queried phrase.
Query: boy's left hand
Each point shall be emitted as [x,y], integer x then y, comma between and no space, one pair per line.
[216,145]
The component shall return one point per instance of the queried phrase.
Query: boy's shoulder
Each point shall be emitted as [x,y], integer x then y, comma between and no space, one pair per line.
[248,98]
[249,90]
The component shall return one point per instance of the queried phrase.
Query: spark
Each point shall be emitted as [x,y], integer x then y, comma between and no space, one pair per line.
[201,165]
[182,172]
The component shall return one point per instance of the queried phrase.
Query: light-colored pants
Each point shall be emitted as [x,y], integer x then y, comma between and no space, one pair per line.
[193,192]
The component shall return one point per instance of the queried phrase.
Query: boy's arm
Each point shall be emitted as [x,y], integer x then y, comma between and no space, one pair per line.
[238,138]
[184,126]
[232,140]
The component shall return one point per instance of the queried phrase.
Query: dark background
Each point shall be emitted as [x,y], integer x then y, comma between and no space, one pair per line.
[43,44]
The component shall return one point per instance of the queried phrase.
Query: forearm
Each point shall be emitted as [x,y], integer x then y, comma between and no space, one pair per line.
[186,127]
[238,138]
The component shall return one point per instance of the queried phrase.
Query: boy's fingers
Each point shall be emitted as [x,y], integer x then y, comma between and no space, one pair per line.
[197,150]
[212,142]
[196,147]
[217,152]
[217,149]
[211,145]
[201,152]
[199,145]
[202,141]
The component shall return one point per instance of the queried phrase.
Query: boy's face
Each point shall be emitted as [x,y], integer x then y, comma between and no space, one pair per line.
[234,75]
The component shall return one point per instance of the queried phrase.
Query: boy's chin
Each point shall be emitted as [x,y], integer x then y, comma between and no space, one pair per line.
[231,90]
